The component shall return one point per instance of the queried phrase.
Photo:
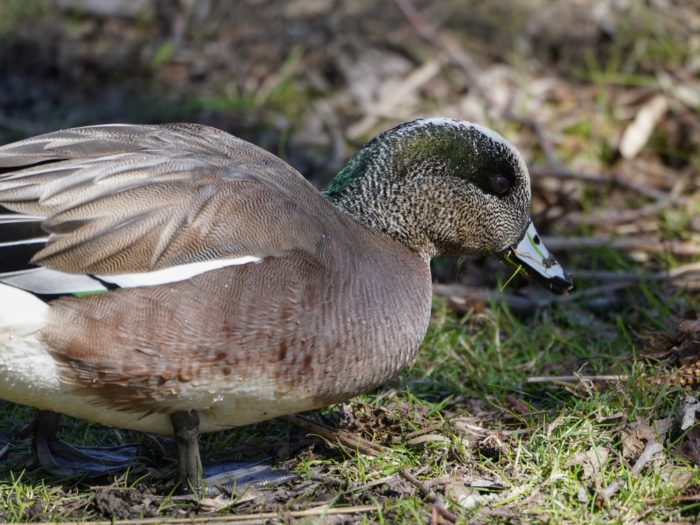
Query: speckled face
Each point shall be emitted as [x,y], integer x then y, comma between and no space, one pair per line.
[439,186]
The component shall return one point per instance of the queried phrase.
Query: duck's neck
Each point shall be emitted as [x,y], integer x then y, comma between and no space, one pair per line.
[370,190]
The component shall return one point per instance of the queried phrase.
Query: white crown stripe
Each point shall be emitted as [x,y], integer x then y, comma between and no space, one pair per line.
[50,282]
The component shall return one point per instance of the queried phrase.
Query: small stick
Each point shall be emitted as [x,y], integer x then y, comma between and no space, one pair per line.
[674,499]
[559,379]
[652,449]
[611,218]
[260,517]
[428,493]
[331,434]
[670,275]
[561,172]
[622,243]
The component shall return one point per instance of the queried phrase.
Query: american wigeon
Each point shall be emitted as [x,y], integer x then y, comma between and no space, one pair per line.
[175,279]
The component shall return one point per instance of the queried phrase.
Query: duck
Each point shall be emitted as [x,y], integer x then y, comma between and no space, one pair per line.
[174,279]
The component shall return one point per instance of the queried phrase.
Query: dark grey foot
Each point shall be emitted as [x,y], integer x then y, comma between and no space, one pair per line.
[62,459]
[228,476]
[219,478]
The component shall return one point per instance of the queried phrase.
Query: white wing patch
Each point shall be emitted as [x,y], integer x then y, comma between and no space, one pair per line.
[52,282]
[175,273]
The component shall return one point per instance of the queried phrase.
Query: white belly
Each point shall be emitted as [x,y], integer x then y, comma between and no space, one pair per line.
[29,376]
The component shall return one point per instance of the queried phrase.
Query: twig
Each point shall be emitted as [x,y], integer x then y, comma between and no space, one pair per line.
[428,493]
[562,172]
[652,449]
[614,217]
[260,517]
[328,480]
[364,487]
[671,274]
[575,378]
[674,499]
[609,218]
[333,435]
[687,275]
[624,244]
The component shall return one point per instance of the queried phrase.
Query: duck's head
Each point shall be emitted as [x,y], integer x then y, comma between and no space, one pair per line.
[444,186]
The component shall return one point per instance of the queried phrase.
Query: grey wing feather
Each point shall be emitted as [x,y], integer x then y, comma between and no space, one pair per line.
[123,198]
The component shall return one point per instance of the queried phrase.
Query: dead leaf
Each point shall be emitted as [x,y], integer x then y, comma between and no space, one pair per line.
[468,426]
[631,444]
[617,417]
[559,421]
[592,461]
[428,438]
[400,486]
[662,426]
[486,484]
[214,504]
[635,435]
[676,477]
[638,132]
[518,406]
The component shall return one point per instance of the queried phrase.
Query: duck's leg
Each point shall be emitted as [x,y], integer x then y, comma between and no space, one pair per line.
[189,464]
[62,459]
[220,477]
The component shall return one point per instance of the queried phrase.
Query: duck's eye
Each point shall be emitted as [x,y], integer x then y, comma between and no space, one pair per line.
[500,184]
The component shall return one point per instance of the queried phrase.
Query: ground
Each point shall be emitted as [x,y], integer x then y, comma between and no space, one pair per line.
[521,407]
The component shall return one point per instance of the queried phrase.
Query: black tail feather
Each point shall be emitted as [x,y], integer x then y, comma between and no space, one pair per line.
[20,238]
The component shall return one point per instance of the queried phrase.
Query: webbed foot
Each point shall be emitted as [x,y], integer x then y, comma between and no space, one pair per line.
[219,478]
[62,459]
[230,475]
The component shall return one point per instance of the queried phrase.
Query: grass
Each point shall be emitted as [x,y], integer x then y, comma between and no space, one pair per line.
[532,456]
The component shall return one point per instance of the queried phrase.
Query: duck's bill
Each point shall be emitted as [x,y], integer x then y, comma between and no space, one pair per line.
[531,255]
